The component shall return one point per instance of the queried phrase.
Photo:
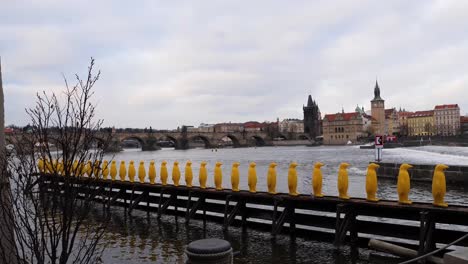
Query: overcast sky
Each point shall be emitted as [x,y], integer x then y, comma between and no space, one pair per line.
[169,63]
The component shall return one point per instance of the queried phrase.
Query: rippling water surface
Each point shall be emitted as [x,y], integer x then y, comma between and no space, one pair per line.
[142,239]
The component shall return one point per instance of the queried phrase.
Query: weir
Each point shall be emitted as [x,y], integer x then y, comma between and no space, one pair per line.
[330,218]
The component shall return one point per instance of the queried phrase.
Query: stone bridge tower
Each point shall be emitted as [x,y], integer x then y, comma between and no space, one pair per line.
[312,118]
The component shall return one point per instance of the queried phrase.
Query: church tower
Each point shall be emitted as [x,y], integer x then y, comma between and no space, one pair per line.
[312,118]
[378,111]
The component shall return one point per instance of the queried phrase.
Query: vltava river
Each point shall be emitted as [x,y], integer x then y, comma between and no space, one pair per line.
[138,238]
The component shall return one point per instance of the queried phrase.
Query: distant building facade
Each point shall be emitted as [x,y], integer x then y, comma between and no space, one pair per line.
[340,128]
[464,125]
[312,119]
[228,127]
[291,125]
[421,123]
[403,122]
[392,124]
[447,119]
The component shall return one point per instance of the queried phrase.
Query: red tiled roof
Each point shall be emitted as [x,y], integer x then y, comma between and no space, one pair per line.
[228,124]
[253,124]
[463,119]
[422,113]
[346,116]
[404,114]
[438,107]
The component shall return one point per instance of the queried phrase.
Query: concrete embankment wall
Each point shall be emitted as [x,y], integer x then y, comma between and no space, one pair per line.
[421,172]
[291,143]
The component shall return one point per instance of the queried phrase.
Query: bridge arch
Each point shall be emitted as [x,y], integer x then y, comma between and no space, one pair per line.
[258,140]
[163,141]
[203,138]
[234,139]
[133,137]
[97,142]
[283,137]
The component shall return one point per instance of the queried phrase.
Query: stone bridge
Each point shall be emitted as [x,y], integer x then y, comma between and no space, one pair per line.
[185,140]
[182,140]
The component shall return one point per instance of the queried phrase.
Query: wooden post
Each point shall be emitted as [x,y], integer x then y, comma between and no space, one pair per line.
[7,242]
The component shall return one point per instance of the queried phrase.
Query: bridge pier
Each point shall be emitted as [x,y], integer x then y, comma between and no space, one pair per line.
[149,144]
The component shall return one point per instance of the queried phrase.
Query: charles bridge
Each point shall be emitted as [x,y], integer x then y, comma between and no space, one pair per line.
[183,140]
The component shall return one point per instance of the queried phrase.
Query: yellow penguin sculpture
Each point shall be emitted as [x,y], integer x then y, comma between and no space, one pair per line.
[89,168]
[48,166]
[97,168]
[317,180]
[235,177]
[40,165]
[141,172]
[403,184]
[55,166]
[271,178]
[105,169]
[252,177]
[203,175]
[81,169]
[60,167]
[439,185]
[164,173]
[122,171]
[218,176]
[75,169]
[188,174]
[343,181]
[292,179]
[152,172]
[371,182]
[176,173]
[131,171]
[113,170]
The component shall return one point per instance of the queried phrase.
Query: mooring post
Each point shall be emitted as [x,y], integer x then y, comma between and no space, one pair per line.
[292,219]
[226,212]
[426,231]
[187,211]
[348,223]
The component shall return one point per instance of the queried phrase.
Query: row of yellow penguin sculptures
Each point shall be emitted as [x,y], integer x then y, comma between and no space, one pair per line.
[403,182]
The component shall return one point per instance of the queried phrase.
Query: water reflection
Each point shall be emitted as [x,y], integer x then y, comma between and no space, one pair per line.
[143,239]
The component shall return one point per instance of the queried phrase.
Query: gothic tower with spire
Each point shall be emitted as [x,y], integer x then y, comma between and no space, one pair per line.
[378,111]
[312,118]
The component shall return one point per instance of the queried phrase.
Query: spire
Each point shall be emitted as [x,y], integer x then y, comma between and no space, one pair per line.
[342,110]
[377,91]
[309,101]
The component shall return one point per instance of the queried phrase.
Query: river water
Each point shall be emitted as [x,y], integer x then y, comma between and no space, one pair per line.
[144,239]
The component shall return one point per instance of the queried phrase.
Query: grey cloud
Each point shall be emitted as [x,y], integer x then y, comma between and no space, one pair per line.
[165,64]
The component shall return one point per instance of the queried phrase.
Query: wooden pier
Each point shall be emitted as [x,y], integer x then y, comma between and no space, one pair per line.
[354,220]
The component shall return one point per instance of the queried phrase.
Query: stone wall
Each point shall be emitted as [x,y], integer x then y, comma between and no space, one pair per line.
[421,172]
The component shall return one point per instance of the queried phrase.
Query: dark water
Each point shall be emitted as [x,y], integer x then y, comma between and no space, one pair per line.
[143,239]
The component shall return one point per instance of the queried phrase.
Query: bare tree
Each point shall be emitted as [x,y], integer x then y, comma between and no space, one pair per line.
[51,195]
